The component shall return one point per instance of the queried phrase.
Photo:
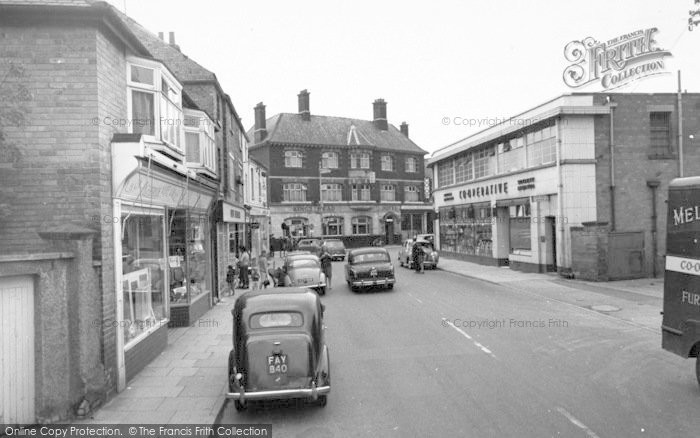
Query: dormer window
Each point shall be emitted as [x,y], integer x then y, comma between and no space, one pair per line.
[154,102]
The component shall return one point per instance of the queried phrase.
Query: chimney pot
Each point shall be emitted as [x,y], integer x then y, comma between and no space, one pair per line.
[380,120]
[260,123]
[304,109]
[160,36]
[171,38]
[404,128]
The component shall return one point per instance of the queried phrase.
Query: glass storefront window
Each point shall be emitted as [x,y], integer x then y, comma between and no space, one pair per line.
[143,272]
[467,230]
[520,235]
[188,259]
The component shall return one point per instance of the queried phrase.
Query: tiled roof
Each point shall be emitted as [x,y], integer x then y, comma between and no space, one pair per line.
[335,131]
[184,68]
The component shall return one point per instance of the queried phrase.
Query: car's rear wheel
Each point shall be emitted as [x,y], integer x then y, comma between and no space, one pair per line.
[240,406]
[322,290]
[697,368]
[389,286]
[322,400]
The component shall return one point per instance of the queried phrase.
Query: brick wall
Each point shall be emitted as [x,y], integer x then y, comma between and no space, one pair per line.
[55,177]
[308,173]
[634,166]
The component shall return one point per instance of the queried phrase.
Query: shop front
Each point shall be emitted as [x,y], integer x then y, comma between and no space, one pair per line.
[231,230]
[502,221]
[416,219]
[162,254]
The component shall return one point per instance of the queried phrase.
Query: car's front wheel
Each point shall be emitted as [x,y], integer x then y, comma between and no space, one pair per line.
[697,368]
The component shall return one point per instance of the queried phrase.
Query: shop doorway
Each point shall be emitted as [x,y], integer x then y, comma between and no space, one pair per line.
[551,242]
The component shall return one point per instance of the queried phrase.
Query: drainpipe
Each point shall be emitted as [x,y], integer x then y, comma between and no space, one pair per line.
[680,128]
[653,185]
[560,202]
[612,106]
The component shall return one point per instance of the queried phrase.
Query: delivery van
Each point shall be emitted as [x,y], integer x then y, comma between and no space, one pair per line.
[680,329]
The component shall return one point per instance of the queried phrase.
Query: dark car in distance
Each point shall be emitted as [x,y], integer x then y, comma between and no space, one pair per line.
[310,244]
[369,267]
[279,349]
[336,248]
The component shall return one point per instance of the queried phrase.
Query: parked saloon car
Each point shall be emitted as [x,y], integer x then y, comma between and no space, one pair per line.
[430,256]
[336,248]
[368,267]
[279,351]
[302,269]
[312,245]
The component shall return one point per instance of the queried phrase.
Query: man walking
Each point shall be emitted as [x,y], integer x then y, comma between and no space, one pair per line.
[245,264]
[326,265]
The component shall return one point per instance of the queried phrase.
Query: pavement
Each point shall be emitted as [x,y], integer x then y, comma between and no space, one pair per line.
[187,382]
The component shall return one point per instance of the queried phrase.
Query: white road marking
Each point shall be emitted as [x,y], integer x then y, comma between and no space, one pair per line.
[419,300]
[576,422]
[466,335]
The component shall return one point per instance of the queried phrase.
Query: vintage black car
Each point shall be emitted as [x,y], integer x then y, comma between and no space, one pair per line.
[279,349]
[367,267]
[336,248]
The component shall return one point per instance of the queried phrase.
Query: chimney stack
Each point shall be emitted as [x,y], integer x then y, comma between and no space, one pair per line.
[304,110]
[380,115]
[260,124]
[171,40]
[404,128]
[160,36]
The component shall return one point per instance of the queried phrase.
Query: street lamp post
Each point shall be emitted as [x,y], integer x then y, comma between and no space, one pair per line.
[321,171]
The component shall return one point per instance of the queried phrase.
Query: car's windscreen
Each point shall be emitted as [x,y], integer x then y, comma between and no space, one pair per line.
[276,319]
[426,245]
[370,257]
[303,263]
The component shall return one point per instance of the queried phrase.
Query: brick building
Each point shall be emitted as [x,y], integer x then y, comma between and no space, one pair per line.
[577,184]
[114,181]
[340,177]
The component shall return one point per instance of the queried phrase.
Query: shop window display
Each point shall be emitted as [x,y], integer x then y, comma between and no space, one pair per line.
[188,259]
[467,230]
[142,280]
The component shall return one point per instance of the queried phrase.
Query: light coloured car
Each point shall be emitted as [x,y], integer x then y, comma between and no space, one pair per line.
[304,270]
[430,256]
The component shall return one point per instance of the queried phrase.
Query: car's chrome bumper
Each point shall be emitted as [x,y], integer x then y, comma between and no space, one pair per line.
[312,392]
[375,282]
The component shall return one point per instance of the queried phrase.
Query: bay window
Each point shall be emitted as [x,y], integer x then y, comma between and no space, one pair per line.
[154,103]
[199,140]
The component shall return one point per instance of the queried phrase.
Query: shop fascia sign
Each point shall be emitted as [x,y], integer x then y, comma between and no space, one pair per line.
[490,190]
[312,208]
[231,213]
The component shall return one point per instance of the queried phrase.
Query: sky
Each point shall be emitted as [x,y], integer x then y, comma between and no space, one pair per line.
[444,67]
